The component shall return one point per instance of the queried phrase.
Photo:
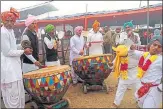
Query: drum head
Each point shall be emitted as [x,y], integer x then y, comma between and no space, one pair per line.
[91,56]
[48,71]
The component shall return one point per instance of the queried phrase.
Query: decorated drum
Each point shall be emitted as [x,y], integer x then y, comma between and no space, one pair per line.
[92,69]
[48,85]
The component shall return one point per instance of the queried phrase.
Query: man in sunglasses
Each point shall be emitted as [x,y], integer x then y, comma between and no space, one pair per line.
[128,34]
[30,62]
[128,37]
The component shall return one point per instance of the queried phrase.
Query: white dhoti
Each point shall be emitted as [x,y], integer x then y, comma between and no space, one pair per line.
[124,84]
[74,76]
[13,94]
[121,89]
[53,63]
[29,67]
[152,99]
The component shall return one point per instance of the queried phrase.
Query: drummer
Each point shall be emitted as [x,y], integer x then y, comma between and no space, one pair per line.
[11,73]
[95,36]
[30,62]
[51,42]
[76,50]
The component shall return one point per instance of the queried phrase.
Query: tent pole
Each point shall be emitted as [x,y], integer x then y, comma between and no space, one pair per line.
[85,20]
[147,20]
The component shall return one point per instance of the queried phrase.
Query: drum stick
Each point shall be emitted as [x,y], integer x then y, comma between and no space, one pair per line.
[97,42]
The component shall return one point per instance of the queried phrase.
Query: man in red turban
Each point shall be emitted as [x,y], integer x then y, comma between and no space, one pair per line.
[95,40]
[9,17]
[11,74]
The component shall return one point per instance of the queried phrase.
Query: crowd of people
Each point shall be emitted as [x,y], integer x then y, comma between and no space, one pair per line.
[141,70]
[115,37]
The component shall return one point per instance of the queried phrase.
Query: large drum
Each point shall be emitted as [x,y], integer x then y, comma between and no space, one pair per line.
[48,85]
[92,69]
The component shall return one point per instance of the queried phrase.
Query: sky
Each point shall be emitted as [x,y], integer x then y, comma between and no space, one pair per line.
[73,7]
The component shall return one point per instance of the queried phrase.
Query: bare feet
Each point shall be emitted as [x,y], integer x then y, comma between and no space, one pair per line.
[129,88]
[111,89]
[114,106]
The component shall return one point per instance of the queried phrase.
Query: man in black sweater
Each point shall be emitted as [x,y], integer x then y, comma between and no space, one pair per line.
[30,62]
[51,42]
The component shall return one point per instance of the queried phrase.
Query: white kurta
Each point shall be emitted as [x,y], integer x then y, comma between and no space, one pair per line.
[96,48]
[50,45]
[117,38]
[29,67]
[76,44]
[10,63]
[11,73]
[124,37]
[152,75]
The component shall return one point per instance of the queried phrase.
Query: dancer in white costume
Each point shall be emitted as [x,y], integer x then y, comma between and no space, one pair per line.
[129,37]
[125,68]
[149,94]
[11,74]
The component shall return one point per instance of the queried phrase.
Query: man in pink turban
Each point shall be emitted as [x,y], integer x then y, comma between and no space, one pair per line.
[30,62]
[11,73]
[76,49]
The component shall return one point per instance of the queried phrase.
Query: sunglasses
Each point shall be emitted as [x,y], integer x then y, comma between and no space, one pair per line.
[127,27]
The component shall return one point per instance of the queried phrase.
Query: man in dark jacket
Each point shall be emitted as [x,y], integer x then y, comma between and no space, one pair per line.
[51,42]
[30,62]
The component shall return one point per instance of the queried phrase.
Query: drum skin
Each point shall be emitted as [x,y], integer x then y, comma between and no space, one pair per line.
[49,85]
[92,69]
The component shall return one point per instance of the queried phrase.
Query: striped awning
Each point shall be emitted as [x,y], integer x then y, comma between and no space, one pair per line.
[37,10]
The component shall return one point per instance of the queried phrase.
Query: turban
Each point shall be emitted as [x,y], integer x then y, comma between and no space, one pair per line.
[158,38]
[30,20]
[49,28]
[96,24]
[157,32]
[13,13]
[130,24]
[77,29]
